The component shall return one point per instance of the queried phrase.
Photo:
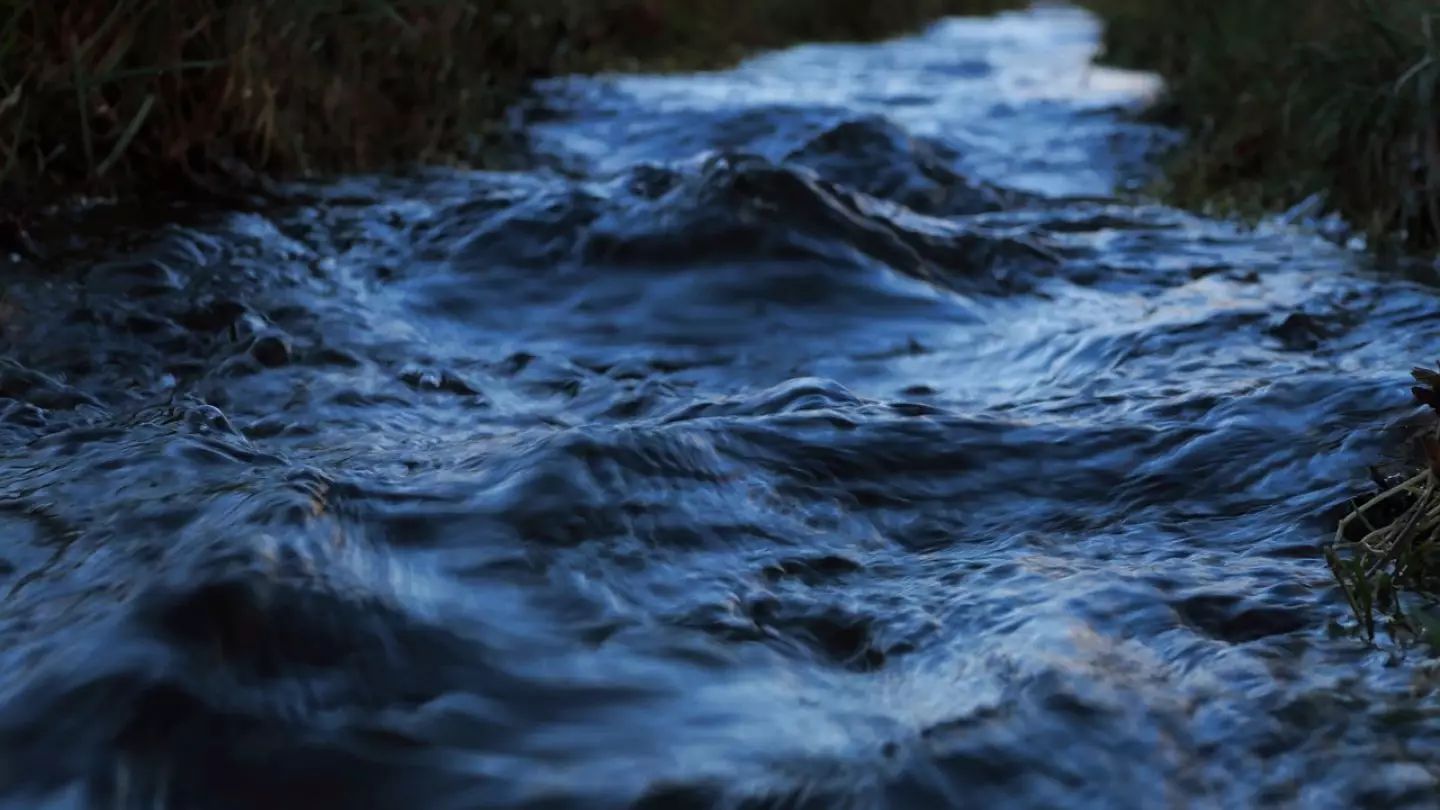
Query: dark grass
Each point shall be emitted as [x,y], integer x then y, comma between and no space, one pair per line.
[104,95]
[116,96]
[699,34]
[1283,99]
[1386,551]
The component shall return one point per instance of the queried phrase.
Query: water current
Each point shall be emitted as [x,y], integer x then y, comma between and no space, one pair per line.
[824,433]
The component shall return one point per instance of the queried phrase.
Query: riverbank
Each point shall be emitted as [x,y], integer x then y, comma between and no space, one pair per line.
[1286,99]
[105,97]
[100,98]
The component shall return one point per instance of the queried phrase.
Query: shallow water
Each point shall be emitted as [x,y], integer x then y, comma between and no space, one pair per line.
[822,433]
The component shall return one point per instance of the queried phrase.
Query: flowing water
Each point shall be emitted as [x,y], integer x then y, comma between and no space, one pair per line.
[825,433]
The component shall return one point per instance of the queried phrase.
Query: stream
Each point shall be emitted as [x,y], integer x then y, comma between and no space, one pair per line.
[835,431]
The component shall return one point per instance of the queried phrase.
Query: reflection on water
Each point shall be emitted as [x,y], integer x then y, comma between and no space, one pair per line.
[820,433]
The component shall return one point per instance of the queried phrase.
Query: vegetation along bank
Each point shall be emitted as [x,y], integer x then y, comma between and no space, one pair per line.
[1283,99]
[107,96]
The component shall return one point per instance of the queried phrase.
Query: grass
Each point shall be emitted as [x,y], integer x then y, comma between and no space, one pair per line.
[1386,551]
[105,96]
[112,94]
[1287,98]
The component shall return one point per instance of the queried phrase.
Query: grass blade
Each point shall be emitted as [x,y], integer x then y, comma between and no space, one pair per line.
[128,135]
[82,105]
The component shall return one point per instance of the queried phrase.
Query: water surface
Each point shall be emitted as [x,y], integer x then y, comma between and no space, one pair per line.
[824,433]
